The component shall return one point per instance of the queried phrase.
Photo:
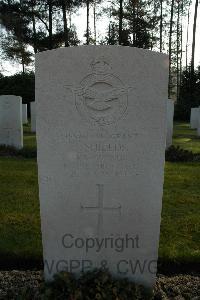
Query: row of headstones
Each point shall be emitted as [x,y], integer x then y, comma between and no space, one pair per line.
[13,114]
[195,119]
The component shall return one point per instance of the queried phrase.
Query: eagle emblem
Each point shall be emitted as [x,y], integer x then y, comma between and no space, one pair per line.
[101,97]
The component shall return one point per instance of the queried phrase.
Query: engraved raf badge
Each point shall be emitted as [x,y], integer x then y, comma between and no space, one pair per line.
[101,97]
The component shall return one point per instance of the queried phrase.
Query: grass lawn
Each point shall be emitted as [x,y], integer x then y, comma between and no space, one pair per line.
[180,224]
[29,137]
[186,138]
[19,207]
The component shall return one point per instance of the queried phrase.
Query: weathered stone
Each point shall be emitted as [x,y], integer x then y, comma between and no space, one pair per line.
[101,119]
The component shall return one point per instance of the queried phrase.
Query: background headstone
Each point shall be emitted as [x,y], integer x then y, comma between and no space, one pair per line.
[11,131]
[170,120]
[101,149]
[24,114]
[194,117]
[33,117]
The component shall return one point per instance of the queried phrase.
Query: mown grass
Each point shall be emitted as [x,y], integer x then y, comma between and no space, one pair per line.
[19,209]
[20,220]
[29,137]
[186,138]
[180,226]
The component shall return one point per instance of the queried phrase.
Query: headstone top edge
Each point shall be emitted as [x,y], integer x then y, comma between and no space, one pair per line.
[97,47]
[11,96]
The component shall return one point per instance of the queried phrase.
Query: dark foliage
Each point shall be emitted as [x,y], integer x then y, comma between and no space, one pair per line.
[20,85]
[28,22]
[12,151]
[93,285]
[176,154]
[188,98]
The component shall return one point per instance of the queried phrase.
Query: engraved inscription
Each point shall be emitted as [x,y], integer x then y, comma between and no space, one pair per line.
[97,153]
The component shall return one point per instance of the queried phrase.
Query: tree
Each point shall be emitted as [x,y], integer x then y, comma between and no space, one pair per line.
[186,46]
[50,29]
[15,50]
[94,18]
[185,102]
[194,38]
[34,22]
[140,24]
[170,47]
[120,20]
[66,31]
[88,22]
[161,25]
[177,49]
[19,84]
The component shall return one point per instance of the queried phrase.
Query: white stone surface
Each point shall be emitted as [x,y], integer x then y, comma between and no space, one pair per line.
[194,117]
[33,117]
[11,131]
[170,120]
[101,118]
[24,114]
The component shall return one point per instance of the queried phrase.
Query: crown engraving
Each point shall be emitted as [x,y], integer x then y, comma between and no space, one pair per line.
[100,66]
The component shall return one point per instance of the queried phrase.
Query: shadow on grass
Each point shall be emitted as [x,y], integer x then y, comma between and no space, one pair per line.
[26,152]
[10,261]
[170,267]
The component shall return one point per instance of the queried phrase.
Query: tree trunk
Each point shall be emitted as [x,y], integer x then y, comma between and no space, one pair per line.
[87,29]
[34,28]
[50,24]
[177,52]
[133,21]
[66,36]
[192,77]
[23,66]
[95,28]
[151,41]
[109,27]
[136,23]
[170,46]
[181,50]
[70,18]
[120,21]
[186,47]
[161,23]
[194,37]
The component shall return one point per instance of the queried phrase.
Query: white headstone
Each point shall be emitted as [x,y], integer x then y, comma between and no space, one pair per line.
[33,117]
[24,114]
[194,117]
[170,120]
[11,131]
[101,115]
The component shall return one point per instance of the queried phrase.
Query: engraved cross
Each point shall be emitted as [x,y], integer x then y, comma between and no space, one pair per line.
[100,208]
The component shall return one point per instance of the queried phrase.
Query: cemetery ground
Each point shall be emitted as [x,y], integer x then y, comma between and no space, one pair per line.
[20,243]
